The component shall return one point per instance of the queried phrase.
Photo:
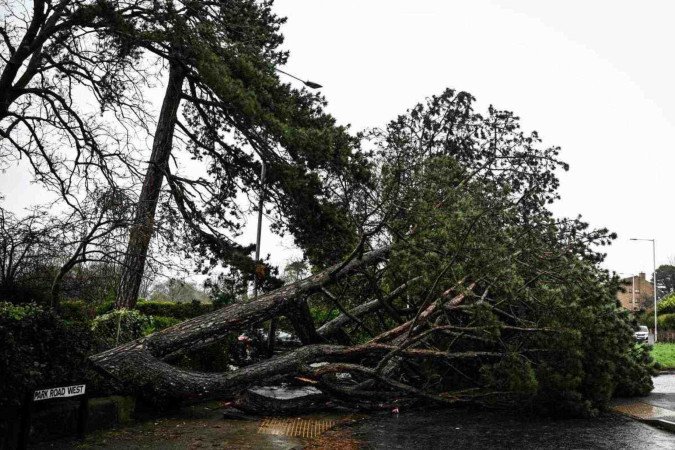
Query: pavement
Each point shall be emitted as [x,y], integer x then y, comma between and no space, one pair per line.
[658,408]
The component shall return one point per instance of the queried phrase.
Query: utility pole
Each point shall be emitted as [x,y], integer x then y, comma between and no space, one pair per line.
[653,241]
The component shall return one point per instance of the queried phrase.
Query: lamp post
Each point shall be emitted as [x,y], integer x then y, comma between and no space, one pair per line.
[309,84]
[261,201]
[653,241]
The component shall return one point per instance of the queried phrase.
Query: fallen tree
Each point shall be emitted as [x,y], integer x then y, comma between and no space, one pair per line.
[478,296]
[142,362]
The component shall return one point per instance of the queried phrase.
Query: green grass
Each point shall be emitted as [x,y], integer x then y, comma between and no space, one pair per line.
[664,354]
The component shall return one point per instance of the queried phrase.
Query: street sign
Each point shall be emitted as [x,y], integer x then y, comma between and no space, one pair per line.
[31,397]
[65,391]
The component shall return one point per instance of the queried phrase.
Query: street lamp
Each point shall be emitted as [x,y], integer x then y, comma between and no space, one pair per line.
[309,84]
[261,201]
[653,241]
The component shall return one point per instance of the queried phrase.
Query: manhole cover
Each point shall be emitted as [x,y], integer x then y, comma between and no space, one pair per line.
[295,427]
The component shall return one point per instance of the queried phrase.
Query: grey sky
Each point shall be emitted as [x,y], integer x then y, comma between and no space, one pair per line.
[595,77]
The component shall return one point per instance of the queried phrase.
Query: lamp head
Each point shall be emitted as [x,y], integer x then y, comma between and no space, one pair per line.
[312,85]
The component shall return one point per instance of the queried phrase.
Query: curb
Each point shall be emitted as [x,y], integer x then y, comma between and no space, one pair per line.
[663,424]
[659,419]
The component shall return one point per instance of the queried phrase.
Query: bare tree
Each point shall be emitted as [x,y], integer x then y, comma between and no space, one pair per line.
[94,233]
[24,243]
[56,57]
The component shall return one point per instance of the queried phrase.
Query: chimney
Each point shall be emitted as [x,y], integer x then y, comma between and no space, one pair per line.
[642,276]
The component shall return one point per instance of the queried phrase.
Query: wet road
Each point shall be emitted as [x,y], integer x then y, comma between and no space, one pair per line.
[205,428]
[464,429]
[415,430]
[663,394]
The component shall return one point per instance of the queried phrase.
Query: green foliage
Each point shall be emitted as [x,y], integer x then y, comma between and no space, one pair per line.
[467,195]
[323,313]
[664,354]
[666,321]
[39,349]
[226,289]
[77,310]
[513,374]
[665,277]
[172,309]
[635,381]
[666,305]
[120,326]
[161,322]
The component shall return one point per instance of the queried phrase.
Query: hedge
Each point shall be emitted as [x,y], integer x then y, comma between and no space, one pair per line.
[667,305]
[39,349]
[667,321]
[171,309]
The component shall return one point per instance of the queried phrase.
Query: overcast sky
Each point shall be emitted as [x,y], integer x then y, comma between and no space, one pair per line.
[594,77]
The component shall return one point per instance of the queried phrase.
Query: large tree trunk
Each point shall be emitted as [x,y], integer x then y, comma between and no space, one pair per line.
[141,232]
[143,365]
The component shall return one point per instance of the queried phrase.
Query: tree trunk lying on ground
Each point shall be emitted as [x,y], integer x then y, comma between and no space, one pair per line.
[141,364]
[394,365]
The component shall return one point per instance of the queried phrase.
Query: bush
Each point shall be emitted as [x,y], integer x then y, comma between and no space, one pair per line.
[119,326]
[105,307]
[666,321]
[171,309]
[646,317]
[666,305]
[39,349]
[77,310]
[161,322]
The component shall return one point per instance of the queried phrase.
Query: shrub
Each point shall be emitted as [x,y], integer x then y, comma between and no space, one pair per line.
[105,307]
[666,305]
[119,326]
[39,349]
[646,317]
[667,321]
[171,309]
[161,322]
[77,310]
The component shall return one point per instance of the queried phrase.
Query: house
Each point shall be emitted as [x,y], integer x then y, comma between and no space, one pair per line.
[639,293]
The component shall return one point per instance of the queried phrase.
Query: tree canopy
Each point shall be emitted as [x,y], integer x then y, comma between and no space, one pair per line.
[463,287]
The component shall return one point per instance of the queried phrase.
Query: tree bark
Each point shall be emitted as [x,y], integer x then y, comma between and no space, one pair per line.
[143,365]
[142,230]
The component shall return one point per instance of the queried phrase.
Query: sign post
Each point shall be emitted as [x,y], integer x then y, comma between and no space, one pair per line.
[49,394]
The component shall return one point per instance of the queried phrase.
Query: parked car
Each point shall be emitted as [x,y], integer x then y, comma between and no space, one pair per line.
[642,334]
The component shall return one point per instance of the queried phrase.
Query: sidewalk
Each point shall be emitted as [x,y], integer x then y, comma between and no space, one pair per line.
[657,409]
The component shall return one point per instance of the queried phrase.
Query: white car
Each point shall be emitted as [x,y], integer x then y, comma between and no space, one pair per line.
[642,334]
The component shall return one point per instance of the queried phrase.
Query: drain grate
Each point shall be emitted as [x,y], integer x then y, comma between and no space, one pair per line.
[295,427]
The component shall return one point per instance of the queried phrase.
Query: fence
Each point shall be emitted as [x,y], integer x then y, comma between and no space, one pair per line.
[666,335]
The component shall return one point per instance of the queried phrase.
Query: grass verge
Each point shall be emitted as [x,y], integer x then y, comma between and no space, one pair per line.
[664,354]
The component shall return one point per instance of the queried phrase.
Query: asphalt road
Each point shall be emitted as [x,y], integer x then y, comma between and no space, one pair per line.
[663,394]
[487,430]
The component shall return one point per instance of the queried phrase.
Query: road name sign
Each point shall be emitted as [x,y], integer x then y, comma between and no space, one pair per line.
[65,391]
